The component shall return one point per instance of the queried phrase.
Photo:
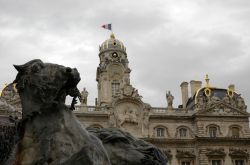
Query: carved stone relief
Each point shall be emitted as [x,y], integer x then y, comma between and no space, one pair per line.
[128,117]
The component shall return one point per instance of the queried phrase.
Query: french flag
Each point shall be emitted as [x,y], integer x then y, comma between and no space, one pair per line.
[107,26]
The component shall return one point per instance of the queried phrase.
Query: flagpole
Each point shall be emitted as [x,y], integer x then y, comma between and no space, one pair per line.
[109,27]
[112,28]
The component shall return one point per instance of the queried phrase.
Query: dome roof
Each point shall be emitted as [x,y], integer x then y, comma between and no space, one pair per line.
[112,44]
[219,93]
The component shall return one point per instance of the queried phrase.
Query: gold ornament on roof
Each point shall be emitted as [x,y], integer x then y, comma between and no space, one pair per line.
[14,87]
[230,92]
[207,92]
[5,85]
[207,89]
[207,80]
[112,35]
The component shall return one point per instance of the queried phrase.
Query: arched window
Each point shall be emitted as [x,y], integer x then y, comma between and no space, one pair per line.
[235,132]
[183,132]
[212,130]
[160,132]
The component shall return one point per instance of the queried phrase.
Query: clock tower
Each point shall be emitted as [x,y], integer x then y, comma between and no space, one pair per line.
[113,73]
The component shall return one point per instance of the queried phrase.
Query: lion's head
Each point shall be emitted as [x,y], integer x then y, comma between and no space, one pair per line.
[41,84]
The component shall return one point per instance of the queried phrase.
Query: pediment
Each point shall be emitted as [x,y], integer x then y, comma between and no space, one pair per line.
[238,153]
[185,154]
[215,153]
[221,108]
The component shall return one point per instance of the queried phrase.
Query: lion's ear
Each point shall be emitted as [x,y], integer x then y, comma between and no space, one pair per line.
[19,68]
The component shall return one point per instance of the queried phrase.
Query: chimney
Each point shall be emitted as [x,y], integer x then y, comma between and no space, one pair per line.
[231,87]
[184,93]
[195,85]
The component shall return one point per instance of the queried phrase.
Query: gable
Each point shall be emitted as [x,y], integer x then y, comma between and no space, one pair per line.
[222,108]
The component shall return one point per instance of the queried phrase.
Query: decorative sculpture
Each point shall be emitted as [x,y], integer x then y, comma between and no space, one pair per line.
[241,103]
[112,119]
[200,102]
[170,99]
[84,96]
[129,116]
[226,99]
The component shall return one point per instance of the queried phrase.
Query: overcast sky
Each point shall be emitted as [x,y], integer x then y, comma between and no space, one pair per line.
[168,41]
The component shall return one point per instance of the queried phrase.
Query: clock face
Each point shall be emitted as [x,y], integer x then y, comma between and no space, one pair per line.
[114,55]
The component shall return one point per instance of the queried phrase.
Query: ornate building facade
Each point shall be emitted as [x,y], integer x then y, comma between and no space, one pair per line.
[211,127]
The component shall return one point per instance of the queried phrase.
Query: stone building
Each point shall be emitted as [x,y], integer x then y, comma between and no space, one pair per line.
[211,127]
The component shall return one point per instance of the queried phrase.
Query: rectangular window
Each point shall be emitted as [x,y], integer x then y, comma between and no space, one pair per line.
[115,88]
[235,132]
[216,162]
[239,162]
[212,131]
[160,132]
[183,132]
[185,163]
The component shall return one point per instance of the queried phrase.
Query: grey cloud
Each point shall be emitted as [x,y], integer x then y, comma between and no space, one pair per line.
[162,53]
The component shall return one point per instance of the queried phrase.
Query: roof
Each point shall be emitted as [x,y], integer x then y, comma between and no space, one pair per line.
[112,43]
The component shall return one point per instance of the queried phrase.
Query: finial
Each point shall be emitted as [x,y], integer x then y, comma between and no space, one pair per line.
[112,35]
[207,80]
[1,91]
[231,87]
[14,87]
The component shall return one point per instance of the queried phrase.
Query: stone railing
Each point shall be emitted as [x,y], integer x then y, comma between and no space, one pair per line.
[83,108]
[154,110]
[168,110]
[159,110]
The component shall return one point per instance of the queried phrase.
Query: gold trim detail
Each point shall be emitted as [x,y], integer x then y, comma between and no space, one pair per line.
[112,35]
[14,87]
[230,93]
[5,85]
[207,92]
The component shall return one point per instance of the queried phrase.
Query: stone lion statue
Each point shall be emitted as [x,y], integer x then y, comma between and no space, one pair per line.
[43,84]
[49,131]
[50,134]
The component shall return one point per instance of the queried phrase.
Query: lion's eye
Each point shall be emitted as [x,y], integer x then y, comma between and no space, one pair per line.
[68,70]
